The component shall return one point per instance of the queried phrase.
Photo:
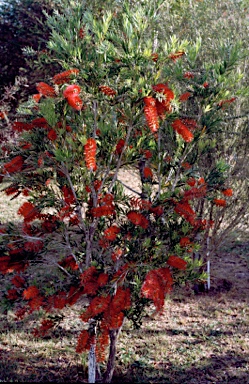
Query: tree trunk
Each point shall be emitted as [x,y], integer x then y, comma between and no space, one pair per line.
[107,377]
[92,364]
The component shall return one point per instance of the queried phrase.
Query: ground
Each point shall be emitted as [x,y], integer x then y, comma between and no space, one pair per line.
[200,339]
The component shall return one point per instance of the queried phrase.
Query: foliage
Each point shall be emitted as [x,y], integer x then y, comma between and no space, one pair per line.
[123,100]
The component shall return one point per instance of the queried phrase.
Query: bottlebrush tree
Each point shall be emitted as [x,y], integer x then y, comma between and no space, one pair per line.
[120,102]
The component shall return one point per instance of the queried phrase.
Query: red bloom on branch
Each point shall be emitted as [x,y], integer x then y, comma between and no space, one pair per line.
[119,146]
[18,281]
[111,233]
[185,96]
[177,262]
[188,75]
[220,202]
[15,165]
[19,126]
[45,90]
[28,211]
[176,55]
[184,209]
[227,192]
[182,130]
[31,292]
[107,90]
[147,173]
[52,135]
[64,77]
[185,242]
[12,294]
[157,283]
[138,219]
[150,112]
[90,149]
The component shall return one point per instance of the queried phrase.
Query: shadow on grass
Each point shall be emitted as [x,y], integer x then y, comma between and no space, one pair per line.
[219,369]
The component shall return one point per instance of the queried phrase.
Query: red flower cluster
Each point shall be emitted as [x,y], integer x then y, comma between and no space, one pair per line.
[184,209]
[177,262]
[64,77]
[45,90]
[111,233]
[107,90]
[71,94]
[151,114]
[147,173]
[157,283]
[90,149]
[182,130]
[138,219]
[185,96]
[15,165]
[119,147]
[227,192]
[28,211]
[163,99]
[106,207]
[176,55]
[220,202]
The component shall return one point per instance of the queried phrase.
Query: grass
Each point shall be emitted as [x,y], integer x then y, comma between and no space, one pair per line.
[199,339]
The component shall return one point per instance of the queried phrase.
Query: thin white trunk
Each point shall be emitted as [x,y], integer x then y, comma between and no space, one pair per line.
[92,364]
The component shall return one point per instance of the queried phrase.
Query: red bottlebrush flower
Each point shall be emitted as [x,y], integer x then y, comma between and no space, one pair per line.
[111,233]
[227,192]
[148,154]
[40,122]
[158,211]
[19,126]
[147,173]
[25,145]
[201,181]
[157,283]
[81,33]
[33,246]
[182,130]
[52,135]
[64,77]
[15,165]
[138,219]
[188,75]
[225,102]
[176,55]
[107,90]
[28,211]
[31,292]
[184,209]
[18,281]
[12,294]
[177,262]
[121,300]
[71,90]
[195,193]
[191,182]
[191,124]
[103,210]
[119,147]
[185,96]
[68,195]
[36,303]
[45,90]
[184,242]
[117,254]
[154,57]
[11,190]
[58,301]
[205,84]
[37,97]
[102,279]
[150,112]
[186,165]
[84,342]
[164,90]
[75,102]
[220,202]
[90,149]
